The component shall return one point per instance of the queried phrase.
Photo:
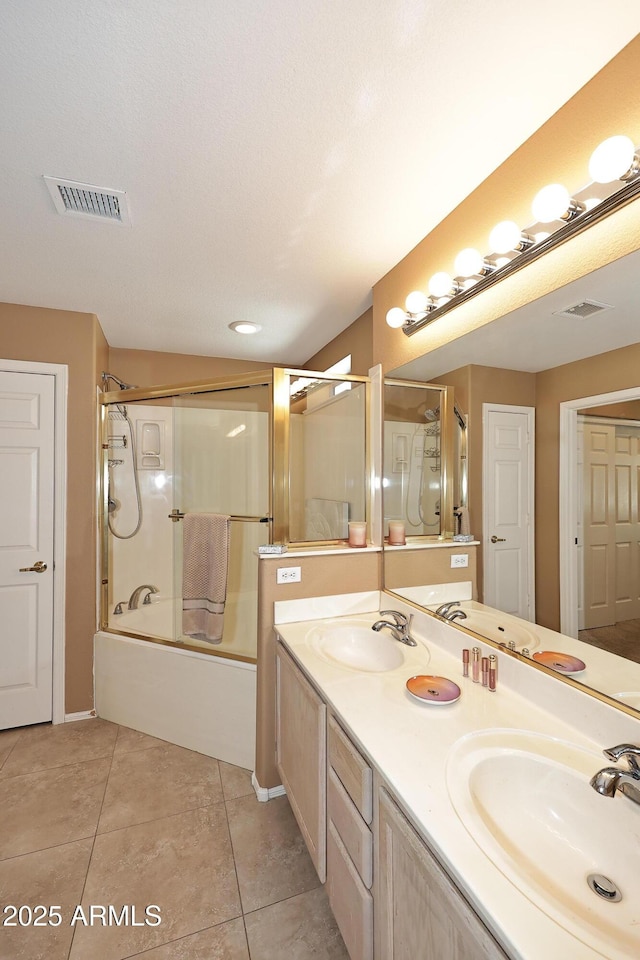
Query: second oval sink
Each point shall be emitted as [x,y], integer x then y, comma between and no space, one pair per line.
[525,799]
[357,646]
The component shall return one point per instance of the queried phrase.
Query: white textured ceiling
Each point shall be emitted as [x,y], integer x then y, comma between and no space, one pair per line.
[279,157]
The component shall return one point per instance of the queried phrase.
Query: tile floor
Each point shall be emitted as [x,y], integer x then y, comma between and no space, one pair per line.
[93,814]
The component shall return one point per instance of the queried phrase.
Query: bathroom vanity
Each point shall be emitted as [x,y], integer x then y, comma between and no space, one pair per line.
[382,787]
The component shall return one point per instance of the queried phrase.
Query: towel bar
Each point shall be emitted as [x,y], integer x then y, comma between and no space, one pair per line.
[176,515]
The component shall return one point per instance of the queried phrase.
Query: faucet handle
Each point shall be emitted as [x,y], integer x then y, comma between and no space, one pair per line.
[400,619]
[628,750]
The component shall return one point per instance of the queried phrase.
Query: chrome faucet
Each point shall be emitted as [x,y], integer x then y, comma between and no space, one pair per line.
[399,627]
[134,599]
[445,610]
[610,780]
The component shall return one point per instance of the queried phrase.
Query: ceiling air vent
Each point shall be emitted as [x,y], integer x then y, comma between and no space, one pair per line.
[584,309]
[88,201]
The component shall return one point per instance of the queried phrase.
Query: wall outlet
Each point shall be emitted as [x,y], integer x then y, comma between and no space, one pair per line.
[289,575]
[459,559]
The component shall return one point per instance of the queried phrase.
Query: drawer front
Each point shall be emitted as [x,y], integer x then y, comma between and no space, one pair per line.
[351,829]
[350,901]
[352,770]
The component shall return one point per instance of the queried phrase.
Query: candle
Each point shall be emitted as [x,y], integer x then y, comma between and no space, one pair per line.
[396,532]
[357,533]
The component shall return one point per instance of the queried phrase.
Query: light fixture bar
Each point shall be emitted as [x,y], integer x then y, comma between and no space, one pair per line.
[576,225]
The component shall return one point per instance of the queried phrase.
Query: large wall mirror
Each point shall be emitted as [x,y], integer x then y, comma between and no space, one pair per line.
[557,383]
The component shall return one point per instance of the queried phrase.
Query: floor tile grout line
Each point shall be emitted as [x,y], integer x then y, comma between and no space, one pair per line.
[212,926]
[166,816]
[235,867]
[51,846]
[95,836]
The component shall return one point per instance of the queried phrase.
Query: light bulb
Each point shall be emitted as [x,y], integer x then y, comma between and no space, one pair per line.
[551,203]
[468,262]
[245,326]
[612,159]
[416,302]
[505,236]
[440,284]
[396,317]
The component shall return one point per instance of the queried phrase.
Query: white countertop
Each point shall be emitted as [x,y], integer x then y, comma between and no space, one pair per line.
[409,743]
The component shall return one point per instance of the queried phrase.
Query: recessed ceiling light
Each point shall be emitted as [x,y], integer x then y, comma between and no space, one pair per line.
[244,326]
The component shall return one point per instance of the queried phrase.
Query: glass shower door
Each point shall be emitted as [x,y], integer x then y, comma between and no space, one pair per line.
[222,466]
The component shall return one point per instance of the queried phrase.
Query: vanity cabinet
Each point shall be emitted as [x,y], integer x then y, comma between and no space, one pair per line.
[301,736]
[390,897]
[350,843]
[419,911]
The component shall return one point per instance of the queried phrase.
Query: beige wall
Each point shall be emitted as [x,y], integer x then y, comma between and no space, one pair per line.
[74,339]
[473,386]
[622,411]
[557,152]
[322,576]
[150,368]
[415,568]
[357,340]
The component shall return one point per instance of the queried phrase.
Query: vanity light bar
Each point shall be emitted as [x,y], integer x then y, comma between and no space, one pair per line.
[576,216]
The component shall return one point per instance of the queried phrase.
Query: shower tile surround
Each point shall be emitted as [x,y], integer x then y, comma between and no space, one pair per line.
[95,813]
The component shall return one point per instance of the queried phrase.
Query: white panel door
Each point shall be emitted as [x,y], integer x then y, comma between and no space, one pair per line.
[508,510]
[599,525]
[26,547]
[627,466]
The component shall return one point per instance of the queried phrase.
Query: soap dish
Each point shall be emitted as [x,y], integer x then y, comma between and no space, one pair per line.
[436,691]
[562,662]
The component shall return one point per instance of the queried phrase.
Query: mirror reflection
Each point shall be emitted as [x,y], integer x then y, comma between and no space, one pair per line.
[412,457]
[558,551]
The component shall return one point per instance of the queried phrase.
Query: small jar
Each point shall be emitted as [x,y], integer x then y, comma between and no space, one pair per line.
[357,533]
[396,533]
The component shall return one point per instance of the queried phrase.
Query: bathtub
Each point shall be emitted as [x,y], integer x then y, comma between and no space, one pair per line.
[195,700]
[162,619]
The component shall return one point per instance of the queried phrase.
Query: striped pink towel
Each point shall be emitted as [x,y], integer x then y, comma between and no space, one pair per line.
[205,561]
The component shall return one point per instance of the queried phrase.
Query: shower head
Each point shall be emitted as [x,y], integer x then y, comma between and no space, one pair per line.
[432,415]
[123,386]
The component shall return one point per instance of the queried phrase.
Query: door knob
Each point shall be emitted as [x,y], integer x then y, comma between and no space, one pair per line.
[38,567]
[495,539]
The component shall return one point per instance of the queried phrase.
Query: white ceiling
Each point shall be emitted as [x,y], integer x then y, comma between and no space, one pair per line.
[535,338]
[278,157]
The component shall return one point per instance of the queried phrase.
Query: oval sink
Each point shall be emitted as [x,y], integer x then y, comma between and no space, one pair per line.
[357,646]
[501,629]
[527,802]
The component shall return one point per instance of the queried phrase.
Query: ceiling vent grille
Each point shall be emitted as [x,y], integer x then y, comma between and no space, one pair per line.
[584,309]
[88,201]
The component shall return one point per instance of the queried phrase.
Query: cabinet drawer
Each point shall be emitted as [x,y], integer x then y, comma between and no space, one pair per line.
[352,770]
[351,829]
[350,901]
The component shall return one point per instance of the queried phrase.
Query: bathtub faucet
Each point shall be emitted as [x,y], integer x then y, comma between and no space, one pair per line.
[134,599]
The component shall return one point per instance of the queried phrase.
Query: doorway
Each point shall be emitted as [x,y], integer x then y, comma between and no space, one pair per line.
[508,508]
[33,442]
[597,477]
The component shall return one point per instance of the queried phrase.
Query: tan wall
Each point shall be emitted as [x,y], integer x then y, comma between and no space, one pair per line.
[415,568]
[475,385]
[621,411]
[322,576]
[615,370]
[151,368]
[74,339]
[558,152]
[357,340]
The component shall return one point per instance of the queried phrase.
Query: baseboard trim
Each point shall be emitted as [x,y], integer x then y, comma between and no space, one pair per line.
[266,793]
[82,715]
